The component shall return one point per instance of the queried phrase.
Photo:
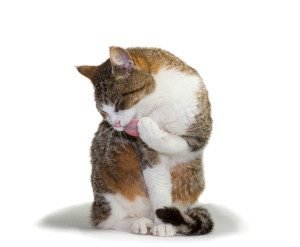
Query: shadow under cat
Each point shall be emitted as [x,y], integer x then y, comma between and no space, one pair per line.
[77,218]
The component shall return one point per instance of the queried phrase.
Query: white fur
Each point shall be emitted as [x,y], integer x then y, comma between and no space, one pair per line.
[123,116]
[173,104]
[124,212]
[160,140]
[142,225]
[164,230]
[159,185]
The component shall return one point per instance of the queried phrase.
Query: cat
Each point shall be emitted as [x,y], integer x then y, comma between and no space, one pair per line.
[146,156]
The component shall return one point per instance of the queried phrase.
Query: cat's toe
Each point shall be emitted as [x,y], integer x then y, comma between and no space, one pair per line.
[164,230]
[142,226]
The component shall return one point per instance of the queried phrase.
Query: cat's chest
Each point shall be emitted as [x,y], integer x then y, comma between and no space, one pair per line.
[174,103]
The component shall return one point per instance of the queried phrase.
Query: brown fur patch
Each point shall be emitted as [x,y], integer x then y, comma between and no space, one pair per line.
[127,179]
[187,182]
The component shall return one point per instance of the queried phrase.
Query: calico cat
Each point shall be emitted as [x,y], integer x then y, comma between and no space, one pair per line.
[146,156]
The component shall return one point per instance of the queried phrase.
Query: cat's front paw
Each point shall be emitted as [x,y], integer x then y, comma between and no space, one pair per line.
[142,226]
[164,230]
[150,132]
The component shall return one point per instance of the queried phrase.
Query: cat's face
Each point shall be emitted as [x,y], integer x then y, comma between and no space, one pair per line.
[119,86]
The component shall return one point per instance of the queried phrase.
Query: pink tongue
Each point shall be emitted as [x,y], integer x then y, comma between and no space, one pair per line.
[131,128]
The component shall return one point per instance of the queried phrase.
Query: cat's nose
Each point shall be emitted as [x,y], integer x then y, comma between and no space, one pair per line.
[117,124]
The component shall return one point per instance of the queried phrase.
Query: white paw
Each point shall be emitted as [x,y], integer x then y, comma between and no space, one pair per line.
[164,230]
[150,132]
[142,226]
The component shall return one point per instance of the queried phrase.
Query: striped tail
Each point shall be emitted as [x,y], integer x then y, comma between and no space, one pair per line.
[195,221]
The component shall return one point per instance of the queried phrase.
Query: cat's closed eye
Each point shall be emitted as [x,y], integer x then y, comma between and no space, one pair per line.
[117,106]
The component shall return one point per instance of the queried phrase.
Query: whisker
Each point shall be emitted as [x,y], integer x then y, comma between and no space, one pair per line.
[120,134]
[106,130]
[110,138]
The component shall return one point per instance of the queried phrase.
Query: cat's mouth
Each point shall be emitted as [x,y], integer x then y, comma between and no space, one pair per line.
[118,128]
[131,128]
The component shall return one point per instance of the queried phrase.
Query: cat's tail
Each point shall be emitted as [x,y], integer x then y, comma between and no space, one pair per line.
[195,221]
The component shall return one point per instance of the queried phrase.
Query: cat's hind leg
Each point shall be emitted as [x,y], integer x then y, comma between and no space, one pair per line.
[100,210]
[115,212]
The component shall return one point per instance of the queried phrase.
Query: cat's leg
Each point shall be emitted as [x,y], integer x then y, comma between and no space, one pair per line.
[130,216]
[100,210]
[157,174]
[159,185]
[160,140]
[109,212]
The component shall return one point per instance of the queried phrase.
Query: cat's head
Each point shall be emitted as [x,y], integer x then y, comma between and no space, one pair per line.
[119,86]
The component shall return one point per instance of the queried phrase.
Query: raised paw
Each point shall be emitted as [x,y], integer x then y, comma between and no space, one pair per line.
[150,132]
[164,230]
[142,226]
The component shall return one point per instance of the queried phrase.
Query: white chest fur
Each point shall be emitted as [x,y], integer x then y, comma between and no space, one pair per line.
[173,104]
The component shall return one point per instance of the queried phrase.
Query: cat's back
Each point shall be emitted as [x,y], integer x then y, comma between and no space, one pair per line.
[155,59]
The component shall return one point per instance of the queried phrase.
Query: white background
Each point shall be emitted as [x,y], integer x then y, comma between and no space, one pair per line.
[246,51]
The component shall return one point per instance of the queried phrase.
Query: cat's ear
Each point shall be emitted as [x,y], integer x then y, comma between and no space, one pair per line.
[120,59]
[87,71]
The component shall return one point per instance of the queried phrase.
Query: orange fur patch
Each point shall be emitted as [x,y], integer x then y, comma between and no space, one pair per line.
[144,64]
[153,59]
[127,179]
[186,186]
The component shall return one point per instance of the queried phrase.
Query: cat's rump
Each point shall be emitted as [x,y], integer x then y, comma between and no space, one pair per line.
[194,221]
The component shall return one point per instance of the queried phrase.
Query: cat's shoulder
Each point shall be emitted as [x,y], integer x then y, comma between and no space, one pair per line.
[154,60]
